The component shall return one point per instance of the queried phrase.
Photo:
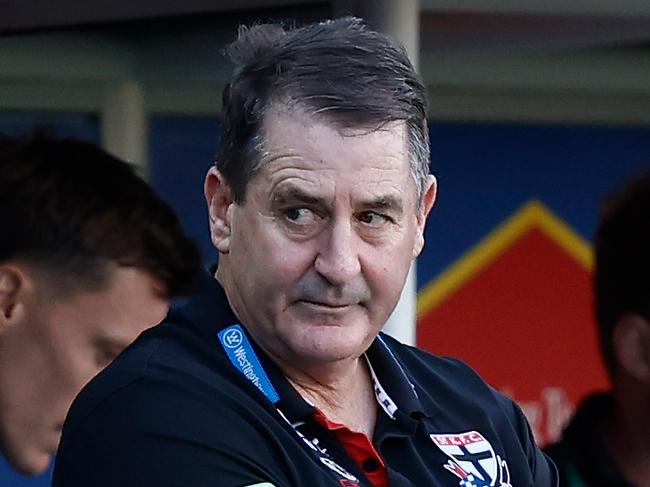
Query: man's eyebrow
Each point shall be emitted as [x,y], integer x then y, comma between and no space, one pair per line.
[386,202]
[296,195]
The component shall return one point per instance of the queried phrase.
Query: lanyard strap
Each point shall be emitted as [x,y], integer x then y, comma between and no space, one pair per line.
[242,356]
[240,352]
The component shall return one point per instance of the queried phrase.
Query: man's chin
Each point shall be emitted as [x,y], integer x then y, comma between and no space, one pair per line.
[32,463]
[326,343]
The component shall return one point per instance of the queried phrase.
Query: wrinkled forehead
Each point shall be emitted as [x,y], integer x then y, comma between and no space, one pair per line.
[306,148]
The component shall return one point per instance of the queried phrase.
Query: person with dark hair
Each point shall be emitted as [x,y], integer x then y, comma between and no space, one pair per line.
[276,373]
[89,258]
[607,443]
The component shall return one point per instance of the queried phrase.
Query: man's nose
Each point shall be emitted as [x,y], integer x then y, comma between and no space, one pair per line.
[338,257]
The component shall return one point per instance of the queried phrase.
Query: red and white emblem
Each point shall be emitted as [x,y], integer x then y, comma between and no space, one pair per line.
[471,454]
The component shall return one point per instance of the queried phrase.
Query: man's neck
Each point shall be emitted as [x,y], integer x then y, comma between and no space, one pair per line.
[349,399]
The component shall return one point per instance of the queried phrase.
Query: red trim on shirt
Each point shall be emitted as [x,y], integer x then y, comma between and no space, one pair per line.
[360,448]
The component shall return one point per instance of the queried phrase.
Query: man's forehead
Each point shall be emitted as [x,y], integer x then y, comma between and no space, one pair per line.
[296,175]
[299,135]
[309,152]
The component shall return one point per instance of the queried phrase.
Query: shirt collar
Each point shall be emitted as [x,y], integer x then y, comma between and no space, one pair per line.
[393,390]
[393,379]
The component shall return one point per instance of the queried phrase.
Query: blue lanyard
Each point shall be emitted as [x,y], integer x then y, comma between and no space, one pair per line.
[243,357]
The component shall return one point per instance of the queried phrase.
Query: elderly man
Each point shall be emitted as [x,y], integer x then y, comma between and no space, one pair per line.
[317,207]
[89,258]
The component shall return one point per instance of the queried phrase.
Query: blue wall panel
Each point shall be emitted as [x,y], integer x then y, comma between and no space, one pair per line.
[181,151]
[62,124]
[487,171]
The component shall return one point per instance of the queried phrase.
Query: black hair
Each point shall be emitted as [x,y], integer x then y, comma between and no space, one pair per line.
[69,207]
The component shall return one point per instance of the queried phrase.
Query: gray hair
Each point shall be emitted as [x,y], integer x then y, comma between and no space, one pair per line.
[339,70]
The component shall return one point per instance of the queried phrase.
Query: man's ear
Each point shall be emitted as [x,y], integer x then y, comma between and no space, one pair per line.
[218,197]
[426,203]
[631,342]
[13,285]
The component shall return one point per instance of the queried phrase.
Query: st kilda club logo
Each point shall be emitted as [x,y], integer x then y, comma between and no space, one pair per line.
[473,460]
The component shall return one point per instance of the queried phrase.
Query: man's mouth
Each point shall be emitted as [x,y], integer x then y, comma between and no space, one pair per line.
[328,305]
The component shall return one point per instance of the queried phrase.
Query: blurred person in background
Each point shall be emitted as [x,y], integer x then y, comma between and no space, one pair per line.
[89,258]
[607,443]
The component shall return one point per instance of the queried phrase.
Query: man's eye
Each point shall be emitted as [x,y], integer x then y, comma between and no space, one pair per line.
[299,215]
[373,219]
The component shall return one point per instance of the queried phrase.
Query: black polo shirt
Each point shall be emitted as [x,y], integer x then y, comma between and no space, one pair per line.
[189,405]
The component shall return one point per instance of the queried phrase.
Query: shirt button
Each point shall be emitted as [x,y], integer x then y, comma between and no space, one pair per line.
[370,465]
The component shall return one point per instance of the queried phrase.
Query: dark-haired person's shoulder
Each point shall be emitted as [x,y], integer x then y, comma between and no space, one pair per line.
[160,415]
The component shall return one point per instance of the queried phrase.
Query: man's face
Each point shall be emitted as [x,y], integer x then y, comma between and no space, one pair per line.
[60,345]
[315,260]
